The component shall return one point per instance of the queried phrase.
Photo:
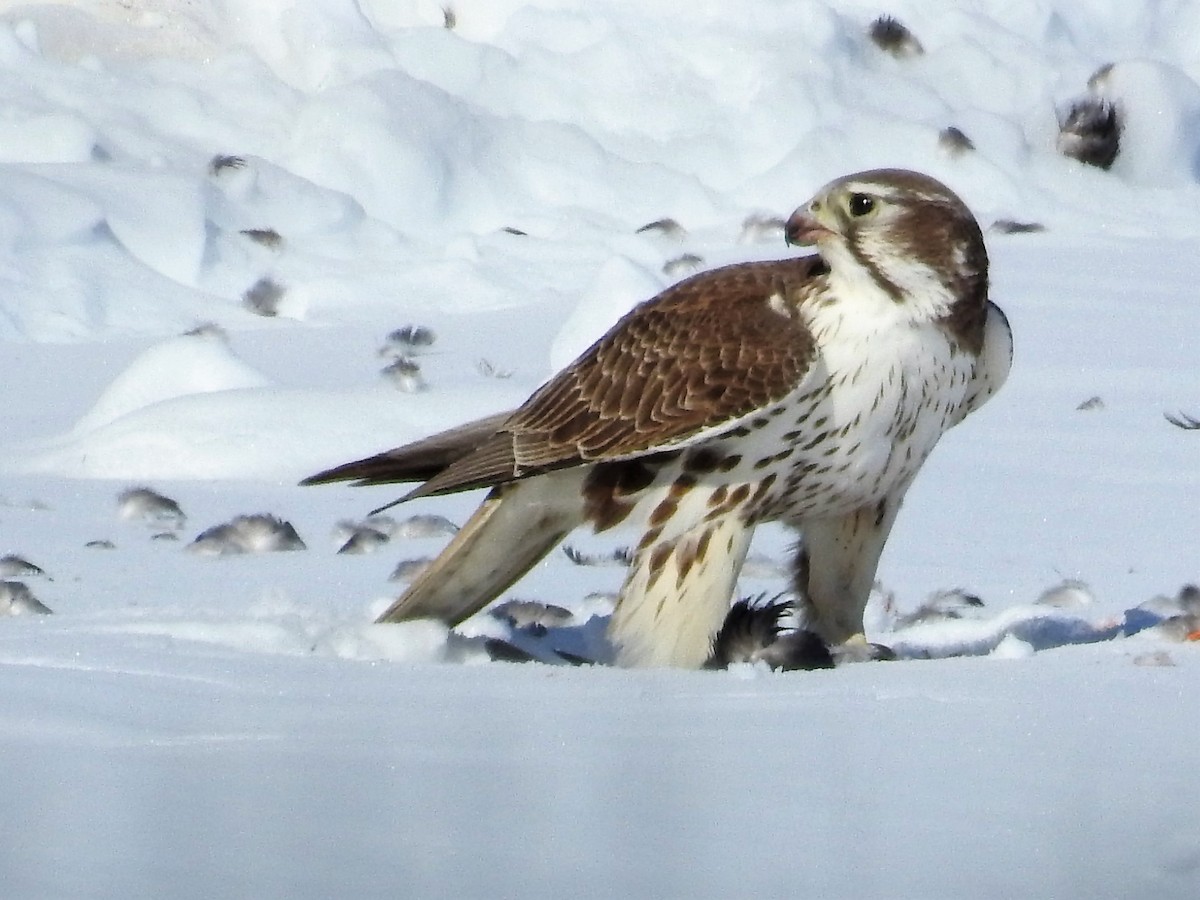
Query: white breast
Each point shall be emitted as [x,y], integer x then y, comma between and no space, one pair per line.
[866,418]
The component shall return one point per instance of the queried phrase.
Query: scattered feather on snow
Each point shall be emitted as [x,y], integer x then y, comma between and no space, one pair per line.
[1089,130]
[891,36]
[224,163]
[1070,594]
[263,296]
[1183,420]
[364,539]
[267,237]
[257,533]
[489,369]
[533,615]
[405,374]
[407,340]
[408,569]
[762,228]
[951,604]
[621,556]
[682,265]
[16,599]
[953,142]
[1149,111]
[1012,226]
[668,228]
[424,525]
[13,566]
[146,505]
[208,331]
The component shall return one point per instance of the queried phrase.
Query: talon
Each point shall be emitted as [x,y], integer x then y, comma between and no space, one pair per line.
[859,649]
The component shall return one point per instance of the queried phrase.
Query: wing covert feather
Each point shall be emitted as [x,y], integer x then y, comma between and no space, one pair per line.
[710,350]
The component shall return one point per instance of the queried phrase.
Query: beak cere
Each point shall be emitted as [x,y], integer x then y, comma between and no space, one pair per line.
[804,229]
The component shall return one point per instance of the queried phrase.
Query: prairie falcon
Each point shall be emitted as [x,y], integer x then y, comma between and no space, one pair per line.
[807,390]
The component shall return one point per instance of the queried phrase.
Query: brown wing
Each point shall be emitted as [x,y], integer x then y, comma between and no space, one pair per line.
[706,352]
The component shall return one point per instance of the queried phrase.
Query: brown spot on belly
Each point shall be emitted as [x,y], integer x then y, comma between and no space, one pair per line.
[648,539]
[658,561]
[738,495]
[702,461]
[691,555]
[608,487]
[663,512]
[682,485]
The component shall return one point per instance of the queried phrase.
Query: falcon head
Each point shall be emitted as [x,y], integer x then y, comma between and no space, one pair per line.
[901,236]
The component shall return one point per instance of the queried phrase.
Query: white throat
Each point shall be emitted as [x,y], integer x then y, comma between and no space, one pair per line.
[924,297]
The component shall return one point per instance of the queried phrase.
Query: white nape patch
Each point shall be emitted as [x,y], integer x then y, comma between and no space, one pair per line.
[779,305]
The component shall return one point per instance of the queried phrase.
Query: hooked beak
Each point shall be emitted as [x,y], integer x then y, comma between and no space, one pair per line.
[805,228]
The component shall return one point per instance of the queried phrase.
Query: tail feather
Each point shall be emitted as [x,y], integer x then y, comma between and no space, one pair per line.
[517,525]
[418,461]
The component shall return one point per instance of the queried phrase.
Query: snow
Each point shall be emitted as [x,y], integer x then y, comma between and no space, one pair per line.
[188,725]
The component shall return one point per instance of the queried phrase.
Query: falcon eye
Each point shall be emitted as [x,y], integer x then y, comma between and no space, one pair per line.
[860,204]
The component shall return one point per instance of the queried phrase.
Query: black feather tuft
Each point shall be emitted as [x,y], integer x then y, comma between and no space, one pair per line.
[754,631]
[1090,131]
[891,36]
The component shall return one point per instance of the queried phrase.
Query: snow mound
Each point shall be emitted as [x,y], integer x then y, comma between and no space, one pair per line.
[178,367]
[1159,107]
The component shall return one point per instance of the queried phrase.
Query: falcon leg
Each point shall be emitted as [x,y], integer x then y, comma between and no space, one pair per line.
[677,595]
[835,567]
[515,526]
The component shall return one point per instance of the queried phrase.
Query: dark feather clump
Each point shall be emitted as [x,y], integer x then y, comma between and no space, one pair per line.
[667,227]
[953,141]
[1090,131]
[1184,421]
[263,297]
[1012,226]
[268,237]
[891,36]
[223,161]
[412,337]
[754,631]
